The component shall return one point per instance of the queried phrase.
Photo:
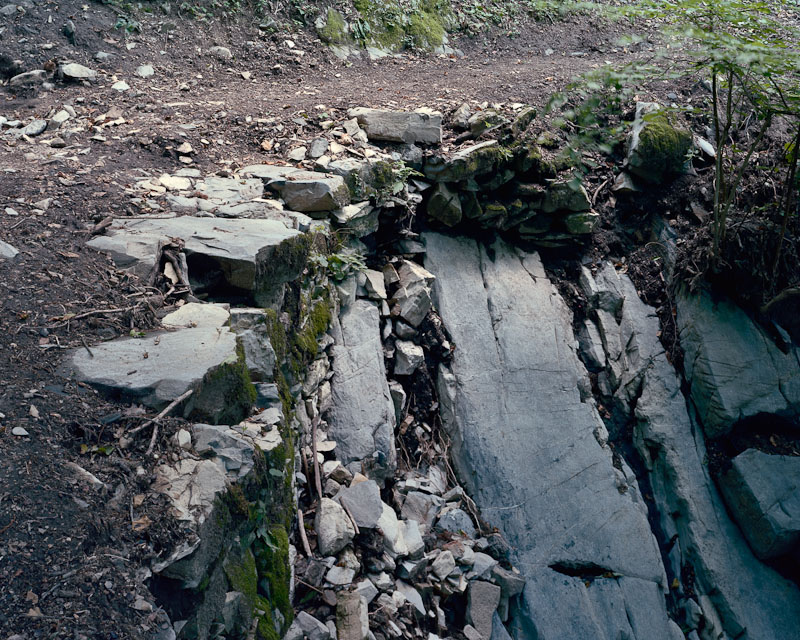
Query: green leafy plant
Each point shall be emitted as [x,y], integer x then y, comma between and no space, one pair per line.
[339,265]
[752,64]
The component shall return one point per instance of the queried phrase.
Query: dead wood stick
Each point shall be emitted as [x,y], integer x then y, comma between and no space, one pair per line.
[350,515]
[172,405]
[301,525]
[166,411]
[317,477]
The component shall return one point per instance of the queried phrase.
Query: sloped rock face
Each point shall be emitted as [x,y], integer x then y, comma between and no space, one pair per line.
[734,593]
[531,451]
[763,494]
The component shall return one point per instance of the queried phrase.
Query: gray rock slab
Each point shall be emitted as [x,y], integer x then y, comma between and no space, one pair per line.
[234,450]
[259,356]
[763,494]
[75,71]
[241,249]
[231,190]
[33,129]
[364,502]
[360,219]
[752,600]
[37,76]
[400,126]
[408,357]
[733,368]
[158,368]
[362,418]
[521,436]
[457,521]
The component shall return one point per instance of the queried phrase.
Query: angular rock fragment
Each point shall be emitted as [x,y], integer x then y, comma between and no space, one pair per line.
[362,417]
[763,493]
[423,126]
[333,527]
[363,500]
[483,598]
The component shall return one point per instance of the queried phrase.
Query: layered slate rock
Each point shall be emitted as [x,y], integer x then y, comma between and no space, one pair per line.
[734,593]
[362,418]
[255,256]
[400,126]
[157,369]
[734,369]
[763,494]
[530,452]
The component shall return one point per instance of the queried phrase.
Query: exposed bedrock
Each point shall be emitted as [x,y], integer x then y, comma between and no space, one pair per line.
[530,446]
[722,588]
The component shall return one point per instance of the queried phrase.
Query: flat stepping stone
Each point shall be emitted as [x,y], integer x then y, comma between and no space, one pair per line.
[157,369]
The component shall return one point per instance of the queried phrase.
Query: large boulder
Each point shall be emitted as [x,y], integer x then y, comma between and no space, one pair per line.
[253,256]
[422,125]
[362,418]
[532,452]
[763,493]
[734,369]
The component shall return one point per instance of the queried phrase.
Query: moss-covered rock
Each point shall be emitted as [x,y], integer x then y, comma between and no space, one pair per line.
[226,394]
[656,147]
[332,29]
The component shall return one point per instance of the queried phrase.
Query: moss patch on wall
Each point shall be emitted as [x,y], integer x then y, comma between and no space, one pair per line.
[226,394]
[334,30]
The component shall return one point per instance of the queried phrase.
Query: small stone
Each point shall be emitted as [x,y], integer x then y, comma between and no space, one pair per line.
[333,526]
[307,626]
[472,633]
[297,154]
[317,148]
[183,439]
[367,590]
[221,53]
[582,223]
[482,602]
[340,576]
[364,502]
[120,86]
[412,595]
[444,565]
[57,143]
[35,128]
[408,358]
[7,252]
[185,148]
[456,521]
[145,71]
[352,622]
[175,183]
[19,432]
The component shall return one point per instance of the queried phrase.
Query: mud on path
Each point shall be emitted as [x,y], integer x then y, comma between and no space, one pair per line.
[71,554]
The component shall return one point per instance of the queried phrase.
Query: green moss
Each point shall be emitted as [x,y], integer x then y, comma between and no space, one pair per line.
[283,264]
[272,562]
[305,340]
[425,31]
[240,568]
[335,29]
[382,177]
[226,394]
[265,629]
[662,147]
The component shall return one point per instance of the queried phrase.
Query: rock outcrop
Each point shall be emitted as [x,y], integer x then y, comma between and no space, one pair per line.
[532,451]
[731,591]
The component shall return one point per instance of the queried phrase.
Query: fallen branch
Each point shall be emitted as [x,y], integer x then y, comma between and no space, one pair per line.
[155,420]
[791,292]
[317,475]
[301,525]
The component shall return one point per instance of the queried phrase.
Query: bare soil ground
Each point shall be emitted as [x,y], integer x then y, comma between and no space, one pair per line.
[71,556]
